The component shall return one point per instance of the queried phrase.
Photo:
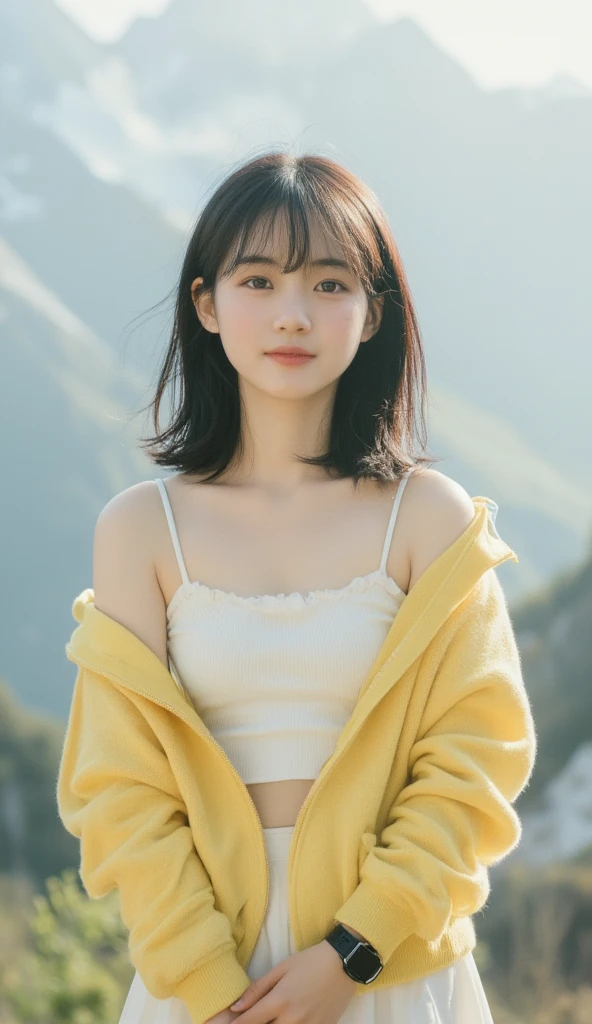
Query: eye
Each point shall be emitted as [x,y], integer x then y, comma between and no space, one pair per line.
[333,292]
[255,279]
[334,282]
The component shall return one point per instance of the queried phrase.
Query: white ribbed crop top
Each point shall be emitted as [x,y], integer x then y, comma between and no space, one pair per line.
[275,677]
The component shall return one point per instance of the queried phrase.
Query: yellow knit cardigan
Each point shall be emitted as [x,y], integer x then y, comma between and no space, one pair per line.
[395,836]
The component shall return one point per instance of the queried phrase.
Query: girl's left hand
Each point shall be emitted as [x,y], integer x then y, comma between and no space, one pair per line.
[309,986]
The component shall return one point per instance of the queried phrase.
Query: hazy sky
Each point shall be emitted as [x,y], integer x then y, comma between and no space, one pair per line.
[499,42]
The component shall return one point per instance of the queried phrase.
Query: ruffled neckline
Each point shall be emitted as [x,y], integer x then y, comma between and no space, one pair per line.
[295,599]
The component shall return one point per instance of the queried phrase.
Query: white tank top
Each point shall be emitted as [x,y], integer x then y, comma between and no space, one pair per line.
[275,677]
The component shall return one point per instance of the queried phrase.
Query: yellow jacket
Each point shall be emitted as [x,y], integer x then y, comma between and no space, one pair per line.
[395,836]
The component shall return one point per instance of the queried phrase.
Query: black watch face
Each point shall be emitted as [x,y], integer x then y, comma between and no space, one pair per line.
[363,963]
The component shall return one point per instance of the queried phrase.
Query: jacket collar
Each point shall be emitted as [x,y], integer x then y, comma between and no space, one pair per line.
[103,645]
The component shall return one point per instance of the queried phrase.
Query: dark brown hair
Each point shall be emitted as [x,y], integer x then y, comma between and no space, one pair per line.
[379,404]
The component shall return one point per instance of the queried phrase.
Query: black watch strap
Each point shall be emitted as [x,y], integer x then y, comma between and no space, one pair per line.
[360,959]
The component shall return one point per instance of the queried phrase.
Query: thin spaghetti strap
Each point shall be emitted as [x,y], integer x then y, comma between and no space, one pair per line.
[393,519]
[173,529]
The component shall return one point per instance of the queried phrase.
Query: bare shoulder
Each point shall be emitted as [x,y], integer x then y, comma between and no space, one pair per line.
[438,510]
[125,583]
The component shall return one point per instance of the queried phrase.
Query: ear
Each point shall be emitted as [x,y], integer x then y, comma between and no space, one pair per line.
[373,317]
[204,306]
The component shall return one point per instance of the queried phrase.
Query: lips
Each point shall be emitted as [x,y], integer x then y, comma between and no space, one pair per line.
[285,350]
[290,358]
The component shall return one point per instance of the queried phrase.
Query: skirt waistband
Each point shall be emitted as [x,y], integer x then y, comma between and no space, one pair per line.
[277,841]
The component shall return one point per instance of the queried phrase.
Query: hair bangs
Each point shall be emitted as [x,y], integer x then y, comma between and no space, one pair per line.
[299,209]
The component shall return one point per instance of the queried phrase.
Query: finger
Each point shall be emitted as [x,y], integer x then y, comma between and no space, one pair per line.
[257,989]
[263,1011]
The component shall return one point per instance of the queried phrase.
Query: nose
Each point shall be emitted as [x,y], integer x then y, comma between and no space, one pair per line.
[292,320]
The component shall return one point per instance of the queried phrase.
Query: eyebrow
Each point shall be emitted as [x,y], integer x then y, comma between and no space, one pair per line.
[328,261]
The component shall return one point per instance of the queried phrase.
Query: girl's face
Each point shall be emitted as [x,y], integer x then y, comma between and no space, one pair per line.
[323,310]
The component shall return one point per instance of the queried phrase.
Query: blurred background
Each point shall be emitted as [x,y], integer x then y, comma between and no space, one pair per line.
[473,125]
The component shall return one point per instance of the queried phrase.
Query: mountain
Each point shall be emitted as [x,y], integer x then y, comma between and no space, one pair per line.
[553,634]
[163,107]
[65,407]
[291,40]
[40,47]
[562,828]
[107,253]
[543,513]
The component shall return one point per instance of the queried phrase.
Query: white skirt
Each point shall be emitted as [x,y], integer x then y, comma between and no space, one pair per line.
[453,995]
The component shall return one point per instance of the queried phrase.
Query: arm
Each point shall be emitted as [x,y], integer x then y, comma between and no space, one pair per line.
[473,755]
[116,792]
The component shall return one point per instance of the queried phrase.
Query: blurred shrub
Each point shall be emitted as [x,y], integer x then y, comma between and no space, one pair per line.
[74,968]
[535,938]
[33,840]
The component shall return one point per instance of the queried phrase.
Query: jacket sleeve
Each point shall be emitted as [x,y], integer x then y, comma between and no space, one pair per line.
[117,794]
[473,755]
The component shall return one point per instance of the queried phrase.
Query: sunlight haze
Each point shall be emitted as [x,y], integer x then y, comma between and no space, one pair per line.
[499,43]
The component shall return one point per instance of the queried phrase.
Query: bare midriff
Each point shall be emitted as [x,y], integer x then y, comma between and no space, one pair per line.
[278,803]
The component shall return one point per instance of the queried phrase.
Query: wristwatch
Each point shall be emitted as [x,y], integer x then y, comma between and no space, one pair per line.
[360,960]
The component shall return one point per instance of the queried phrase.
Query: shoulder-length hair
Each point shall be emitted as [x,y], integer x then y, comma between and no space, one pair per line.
[378,413]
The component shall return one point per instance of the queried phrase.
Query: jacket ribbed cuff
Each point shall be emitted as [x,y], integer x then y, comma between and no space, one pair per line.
[213,986]
[383,924]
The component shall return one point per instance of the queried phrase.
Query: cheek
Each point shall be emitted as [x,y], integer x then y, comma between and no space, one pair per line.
[236,314]
[241,329]
[342,326]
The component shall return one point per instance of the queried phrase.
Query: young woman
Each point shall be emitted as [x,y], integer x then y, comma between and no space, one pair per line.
[265,575]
